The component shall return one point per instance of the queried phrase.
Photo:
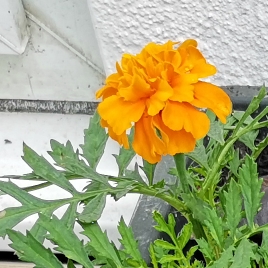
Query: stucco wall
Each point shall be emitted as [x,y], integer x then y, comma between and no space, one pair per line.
[232,34]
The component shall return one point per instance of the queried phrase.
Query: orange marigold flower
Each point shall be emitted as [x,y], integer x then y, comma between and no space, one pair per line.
[158,92]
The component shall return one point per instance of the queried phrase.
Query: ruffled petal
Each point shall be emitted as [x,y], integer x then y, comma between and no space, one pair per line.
[175,141]
[122,139]
[187,43]
[183,90]
[203,69]
[157,101]
[138,89]
[178,116]
[146,143]
[119,114]
[209,96]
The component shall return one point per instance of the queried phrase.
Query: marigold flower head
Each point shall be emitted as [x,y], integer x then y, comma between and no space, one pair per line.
[159,93]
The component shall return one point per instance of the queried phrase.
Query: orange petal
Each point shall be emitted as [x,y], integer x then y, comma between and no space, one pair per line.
[138,89]
[157,101]
[176,141]
[106,92]
[182,88]
[180,142]
[146,143]
[209,96]
[203,69]
[121,139]
[187,43]
[119,114]
[178,116]
[194,54]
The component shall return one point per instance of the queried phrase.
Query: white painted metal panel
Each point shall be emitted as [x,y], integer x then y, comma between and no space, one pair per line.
[13,27]
[47,70]
[70,20]
[62,59]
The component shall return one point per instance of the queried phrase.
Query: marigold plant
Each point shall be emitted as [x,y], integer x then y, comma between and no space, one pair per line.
[159,93]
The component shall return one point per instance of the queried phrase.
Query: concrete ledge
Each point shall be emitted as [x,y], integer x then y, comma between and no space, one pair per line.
[44,106]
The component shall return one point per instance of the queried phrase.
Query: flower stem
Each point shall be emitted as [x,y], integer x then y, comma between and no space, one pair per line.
[182,173]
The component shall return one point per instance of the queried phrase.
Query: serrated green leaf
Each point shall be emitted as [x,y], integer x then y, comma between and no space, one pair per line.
[125,186]
[205,248]
[93,209]
[191,252]
[149,170]
[185,235]
[125,156]
[12,216]
[233,207]
[252,107]
[66,158]
[70,264]
[213,154]
[100,242]
[168,259]
[264,243]
[164,244]
[263,250]
[199,155]
[225,259]
[163,226]
[235,163]
[215,226]
[250,187]
[238,116]
[153,256]
[249,138]
[134,175]
[129,243]
[173,172]
[69,217]
[94,141]
[44,169]
[243,255]
[29,249]
[216,132]
[20,195]
[159,185]
[197,206]
[38,231]
[260,147]
[68,243]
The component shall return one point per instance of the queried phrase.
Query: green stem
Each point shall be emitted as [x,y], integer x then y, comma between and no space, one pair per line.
[182,173]
[171,200]
[211,179]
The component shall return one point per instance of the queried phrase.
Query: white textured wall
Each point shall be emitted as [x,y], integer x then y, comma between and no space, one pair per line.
[232,34]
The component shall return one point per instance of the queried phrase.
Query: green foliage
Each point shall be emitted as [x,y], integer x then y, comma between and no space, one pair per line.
[250,187]
[216,132]
[125,156]
[99,246]
[130,244]
[93,209]
[29,249]
[220,198]
[171,254]
[94,141]
[149,170]
[233,207]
